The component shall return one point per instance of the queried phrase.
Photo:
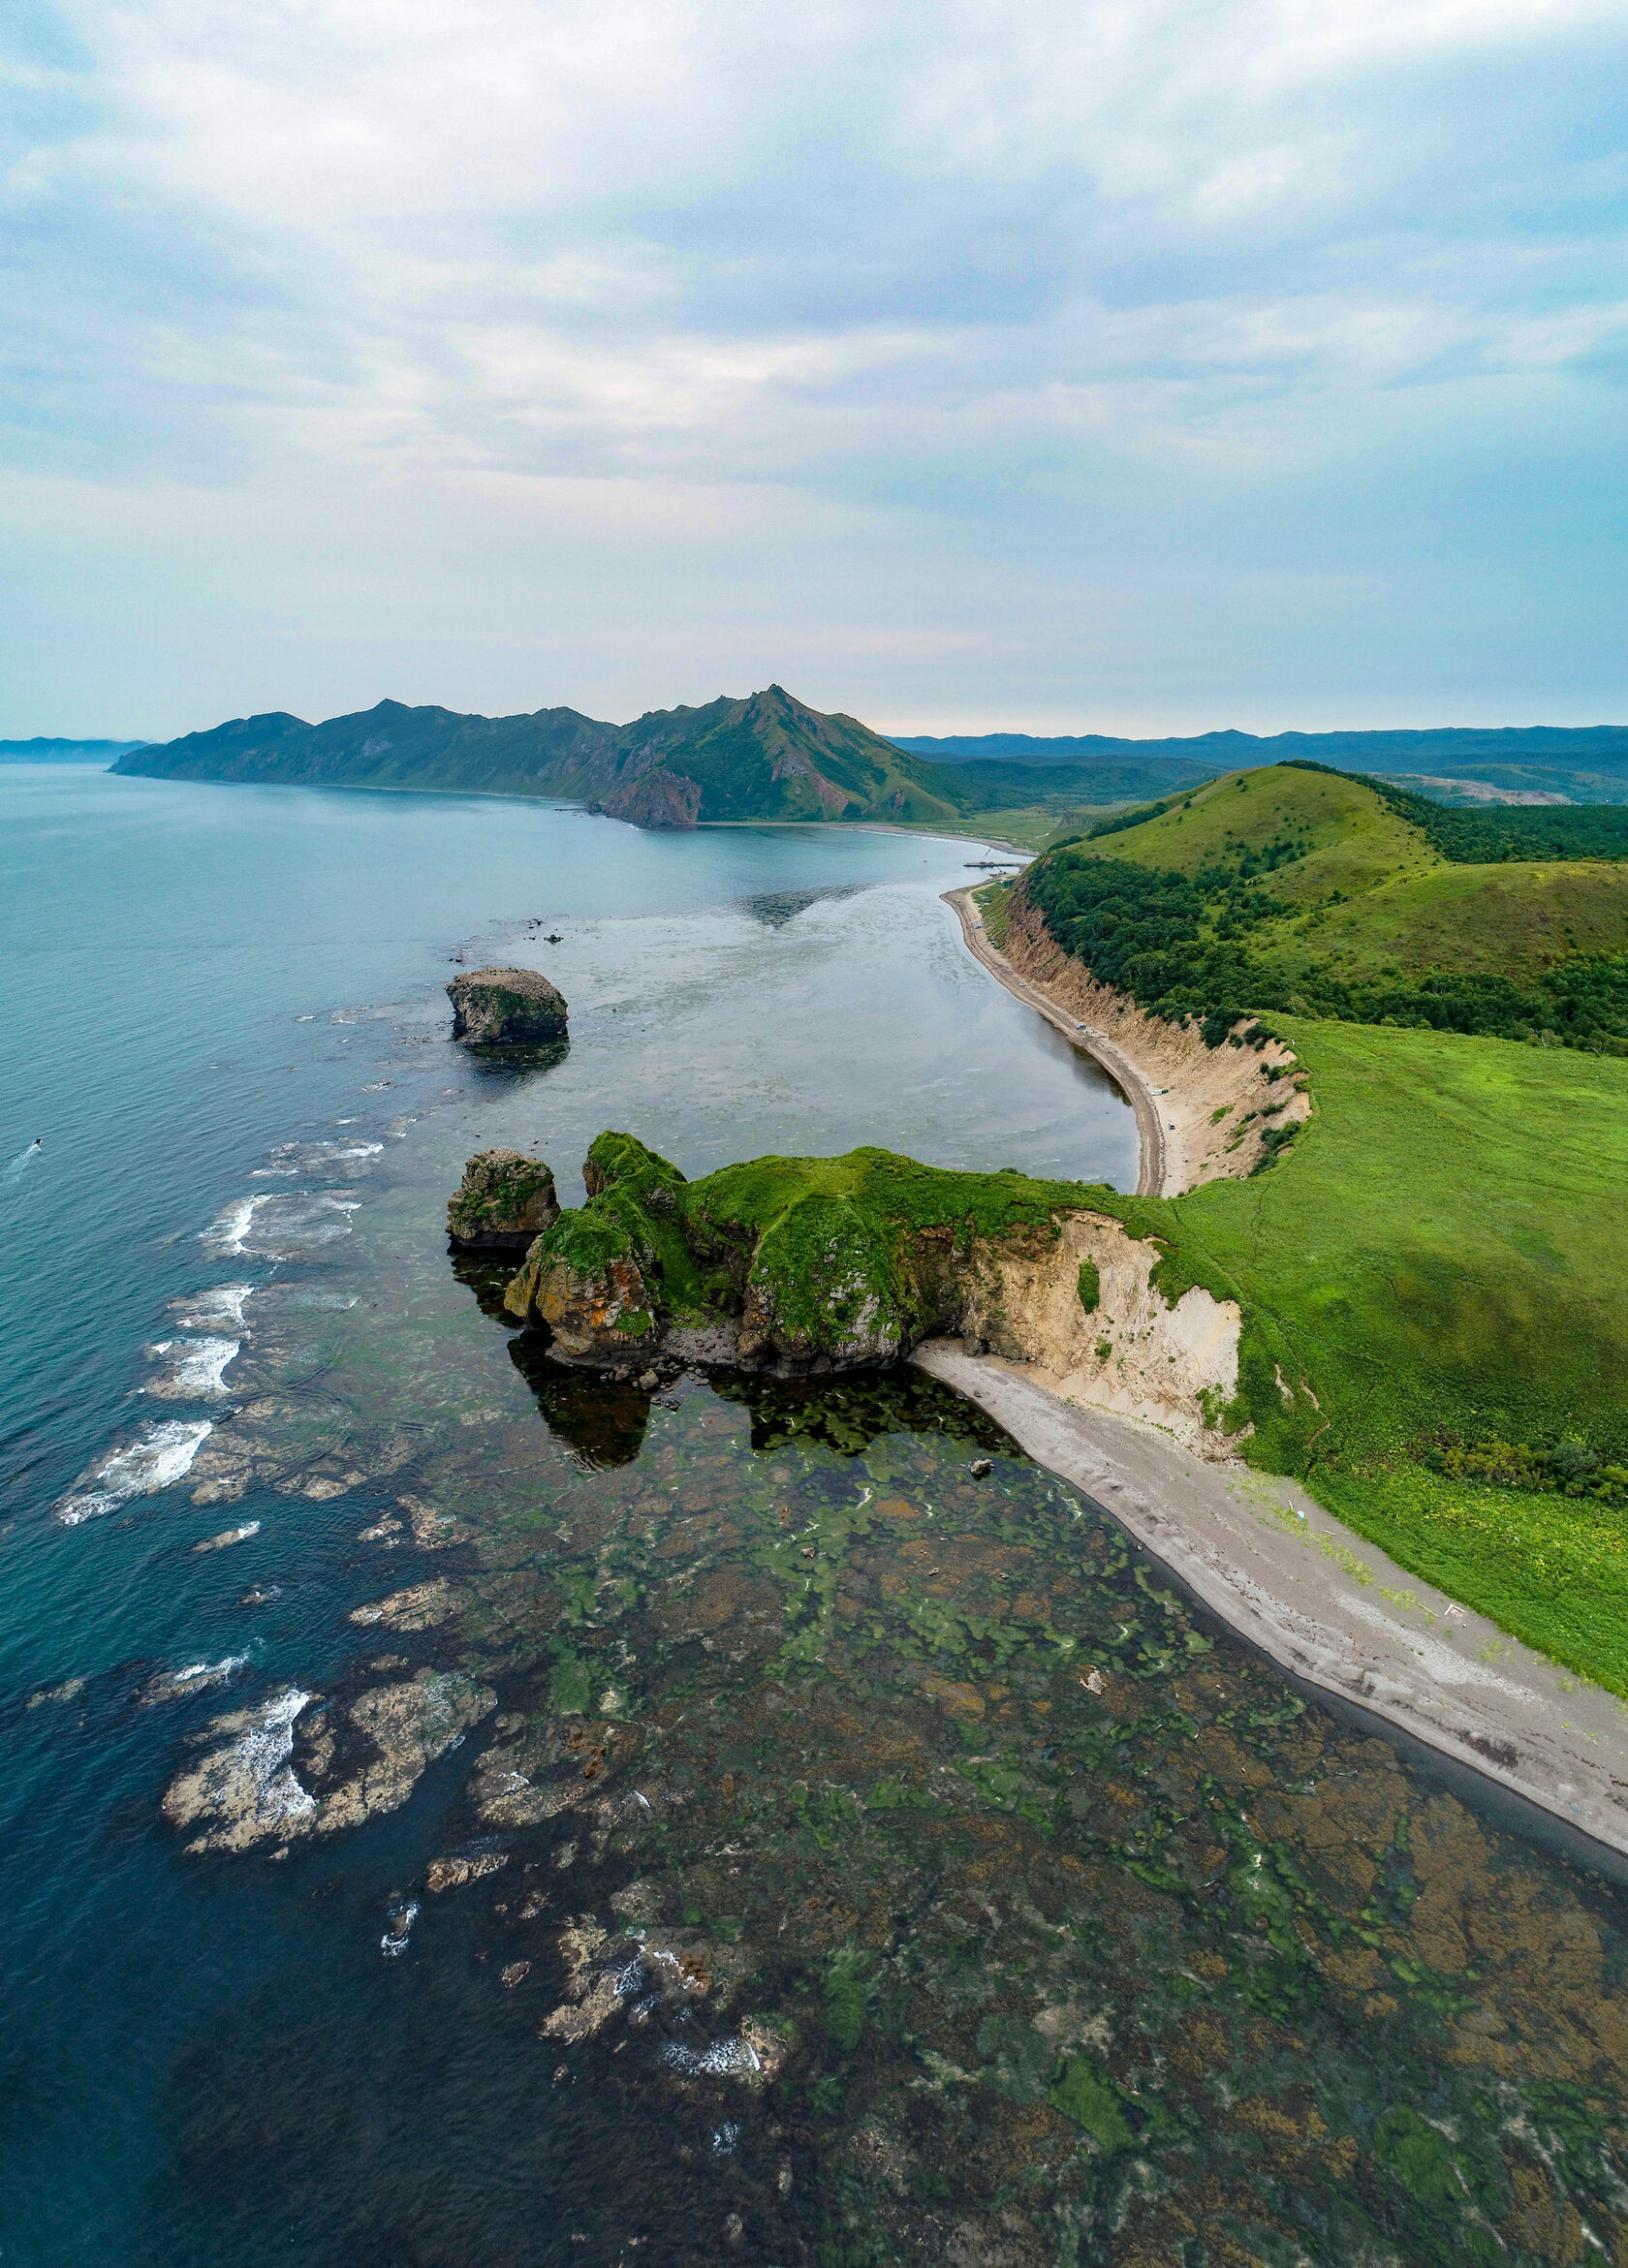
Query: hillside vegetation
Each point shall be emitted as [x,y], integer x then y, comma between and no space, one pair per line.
[769,757]
[1430,1270]
[1303,892]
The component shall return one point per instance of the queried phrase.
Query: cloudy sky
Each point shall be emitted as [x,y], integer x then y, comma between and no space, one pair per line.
[1085,366]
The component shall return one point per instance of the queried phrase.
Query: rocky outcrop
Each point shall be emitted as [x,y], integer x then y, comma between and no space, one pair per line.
[653,798]
[296,1765]
[804,1266]
[505,1203]
[507,1008]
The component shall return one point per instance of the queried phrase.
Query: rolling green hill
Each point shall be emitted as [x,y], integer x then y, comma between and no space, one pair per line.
[1298,891]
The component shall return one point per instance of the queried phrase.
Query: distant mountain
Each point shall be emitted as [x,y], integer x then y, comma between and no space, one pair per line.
[38,751]
[1584,763]
[767,757]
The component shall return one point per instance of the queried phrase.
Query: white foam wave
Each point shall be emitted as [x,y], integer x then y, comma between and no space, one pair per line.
[226,1234]
[260,1755]
[290,1159]
[282,1226]
[221,1303]
[396,1939]
[174,1685]
[196,1368]
[157,1459]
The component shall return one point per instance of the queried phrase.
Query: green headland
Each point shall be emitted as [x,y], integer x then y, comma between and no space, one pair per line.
[1429,1269]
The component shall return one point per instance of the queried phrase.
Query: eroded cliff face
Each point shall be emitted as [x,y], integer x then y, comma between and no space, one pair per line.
[1131,1350]
[773,1267]
[1217,1104]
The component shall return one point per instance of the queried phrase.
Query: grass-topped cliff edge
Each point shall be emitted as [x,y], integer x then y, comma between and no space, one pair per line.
[1439,1251]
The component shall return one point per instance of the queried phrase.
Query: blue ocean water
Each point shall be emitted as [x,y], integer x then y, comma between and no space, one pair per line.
[838,1860]
[206,983]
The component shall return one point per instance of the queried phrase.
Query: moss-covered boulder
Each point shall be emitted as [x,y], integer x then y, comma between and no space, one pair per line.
[596,1278]
[505,1203]
[507,1008]
[823,1283]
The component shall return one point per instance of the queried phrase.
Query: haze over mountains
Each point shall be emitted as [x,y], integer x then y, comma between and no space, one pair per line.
[771,757]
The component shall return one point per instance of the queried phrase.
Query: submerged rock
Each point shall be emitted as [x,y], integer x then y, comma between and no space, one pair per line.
[506,1202]
[507,1008]
[296,1765]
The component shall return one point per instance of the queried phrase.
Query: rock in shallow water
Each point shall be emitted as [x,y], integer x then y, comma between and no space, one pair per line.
[506,1199]
[294,1766]
[506,1008]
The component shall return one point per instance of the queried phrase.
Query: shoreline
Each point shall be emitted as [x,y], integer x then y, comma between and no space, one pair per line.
[1333,1611]
[1127,1076]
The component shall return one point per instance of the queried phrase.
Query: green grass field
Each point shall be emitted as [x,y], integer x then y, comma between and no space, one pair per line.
[1442,1254]
[1431,1276]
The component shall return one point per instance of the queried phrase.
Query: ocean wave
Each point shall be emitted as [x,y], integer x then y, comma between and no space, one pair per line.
[221,1303]
[196,1367]
[157,1459]
[290,1159]
[226,1233]
[282,1226]
[725,2059]
[198,1677]
[403,1914]
[253,1779]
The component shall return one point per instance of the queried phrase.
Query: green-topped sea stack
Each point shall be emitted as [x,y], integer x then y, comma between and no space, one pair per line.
[507,1008]
[810,1265]
[505,1203]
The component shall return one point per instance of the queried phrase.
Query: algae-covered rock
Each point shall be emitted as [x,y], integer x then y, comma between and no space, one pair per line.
[598,1277]
[506,1202]
[583,1282]
[822,1282]
[506,1008]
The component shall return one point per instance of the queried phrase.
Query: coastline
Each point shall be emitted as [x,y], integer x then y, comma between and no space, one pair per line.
[1158,1168]
[1330,1609]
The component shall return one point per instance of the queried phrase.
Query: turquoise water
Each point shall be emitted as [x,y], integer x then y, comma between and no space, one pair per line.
[838,1860]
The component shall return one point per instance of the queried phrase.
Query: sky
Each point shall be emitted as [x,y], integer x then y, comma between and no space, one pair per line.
[1094,366]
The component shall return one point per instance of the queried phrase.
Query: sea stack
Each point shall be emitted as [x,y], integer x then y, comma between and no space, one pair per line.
[507,1200]
[506,1008]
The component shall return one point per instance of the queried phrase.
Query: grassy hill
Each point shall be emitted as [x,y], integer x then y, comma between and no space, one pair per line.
[1298,891]
[767,756]
[1435,1334]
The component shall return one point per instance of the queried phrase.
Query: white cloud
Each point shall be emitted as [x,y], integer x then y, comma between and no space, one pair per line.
[1054,287]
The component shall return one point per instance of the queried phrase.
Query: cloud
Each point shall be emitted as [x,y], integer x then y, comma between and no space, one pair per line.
[889,336]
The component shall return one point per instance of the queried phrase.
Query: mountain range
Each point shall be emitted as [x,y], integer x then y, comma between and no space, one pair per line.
[771,757]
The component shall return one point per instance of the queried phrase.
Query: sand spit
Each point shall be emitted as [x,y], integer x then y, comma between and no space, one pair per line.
[1328,1607]
[1192,1102]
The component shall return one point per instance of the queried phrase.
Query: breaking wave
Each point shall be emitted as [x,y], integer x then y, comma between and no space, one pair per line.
[159,1457]
[196,1367]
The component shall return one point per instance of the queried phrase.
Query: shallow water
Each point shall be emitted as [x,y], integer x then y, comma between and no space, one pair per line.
[841,1859]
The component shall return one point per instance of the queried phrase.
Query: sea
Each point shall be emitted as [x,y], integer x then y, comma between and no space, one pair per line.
[745,1831]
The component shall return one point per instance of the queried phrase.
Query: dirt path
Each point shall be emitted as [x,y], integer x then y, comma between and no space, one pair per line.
[1160,1176]
[1328,1607]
